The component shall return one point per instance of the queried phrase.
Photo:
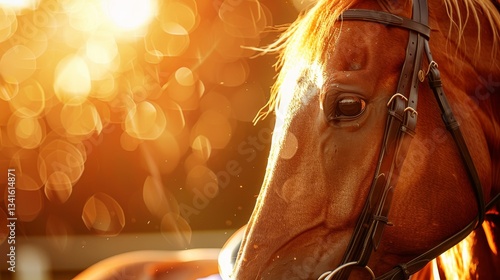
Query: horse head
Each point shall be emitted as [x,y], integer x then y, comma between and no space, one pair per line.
[333,99]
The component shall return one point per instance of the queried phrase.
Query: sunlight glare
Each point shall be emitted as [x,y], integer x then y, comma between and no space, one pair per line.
[20,4]
[98,52]
[435,270]
[130,15]
[457,262]
[72,80]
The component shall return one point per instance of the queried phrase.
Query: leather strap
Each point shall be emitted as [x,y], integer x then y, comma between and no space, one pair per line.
[453,126]
[399,130]
[387,18]
[403,271]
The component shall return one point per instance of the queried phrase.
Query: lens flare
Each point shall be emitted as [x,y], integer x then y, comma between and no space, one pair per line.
[130,15]
[19,4]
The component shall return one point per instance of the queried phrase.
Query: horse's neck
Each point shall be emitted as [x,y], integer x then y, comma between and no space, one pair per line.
[486,94]
[471,60]
[491,127]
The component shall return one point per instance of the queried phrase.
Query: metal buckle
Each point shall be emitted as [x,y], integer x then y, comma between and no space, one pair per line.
[394,96]
[421,75]
[412,110]
[431,64]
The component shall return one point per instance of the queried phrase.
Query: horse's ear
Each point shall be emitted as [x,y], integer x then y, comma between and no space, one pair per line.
[396,7]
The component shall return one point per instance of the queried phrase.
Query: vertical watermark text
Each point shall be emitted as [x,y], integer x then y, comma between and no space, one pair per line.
[11,219]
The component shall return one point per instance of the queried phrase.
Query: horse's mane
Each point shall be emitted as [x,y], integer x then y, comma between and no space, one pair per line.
[309,37]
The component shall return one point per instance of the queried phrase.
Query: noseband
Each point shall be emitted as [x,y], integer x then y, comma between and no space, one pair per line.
[399,130]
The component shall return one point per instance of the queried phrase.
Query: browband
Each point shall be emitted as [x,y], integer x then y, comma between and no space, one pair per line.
[386,18]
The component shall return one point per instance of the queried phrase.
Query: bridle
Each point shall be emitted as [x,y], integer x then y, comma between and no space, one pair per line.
[399,130]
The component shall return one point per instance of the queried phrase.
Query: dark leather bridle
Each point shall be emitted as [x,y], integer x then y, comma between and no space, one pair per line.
[399,130]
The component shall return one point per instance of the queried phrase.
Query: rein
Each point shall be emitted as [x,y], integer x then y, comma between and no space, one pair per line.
[399,130]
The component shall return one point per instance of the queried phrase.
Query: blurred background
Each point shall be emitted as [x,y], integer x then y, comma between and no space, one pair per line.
[128,124]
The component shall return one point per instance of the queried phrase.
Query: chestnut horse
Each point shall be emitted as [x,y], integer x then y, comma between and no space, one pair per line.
[341,72]
[335,95]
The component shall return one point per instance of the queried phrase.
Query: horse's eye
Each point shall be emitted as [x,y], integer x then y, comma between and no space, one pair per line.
[349,107]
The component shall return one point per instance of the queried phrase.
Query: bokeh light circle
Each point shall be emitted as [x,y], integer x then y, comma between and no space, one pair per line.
[58,187]
[81,119]
[30,100]
[165,84]
[17,64]
[103,215]
[201,147]
[156,199]
[175,117]
[72,83]
[180,13]
[27,133]
[145,121]
[171,40]
[58,155]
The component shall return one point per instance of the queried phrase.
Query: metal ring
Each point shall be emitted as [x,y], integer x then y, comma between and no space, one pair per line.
[329,274]
[394,96]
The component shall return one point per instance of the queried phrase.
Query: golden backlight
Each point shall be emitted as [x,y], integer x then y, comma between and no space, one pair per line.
[167,80]
[20,4]
[457,263]
[131,14]
[462,262]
